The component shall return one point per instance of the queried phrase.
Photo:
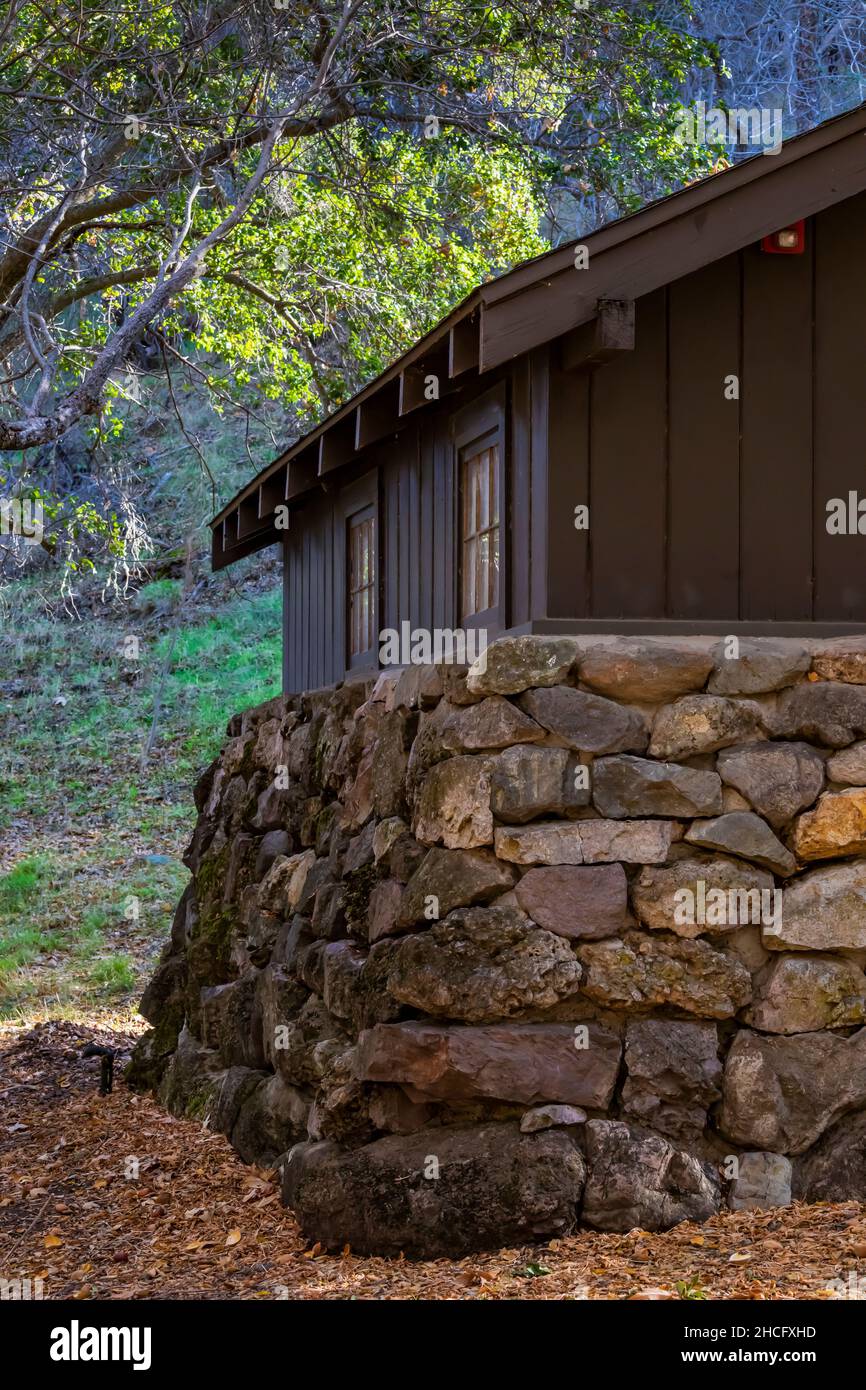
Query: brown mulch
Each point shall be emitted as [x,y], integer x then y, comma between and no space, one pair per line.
[197,1223]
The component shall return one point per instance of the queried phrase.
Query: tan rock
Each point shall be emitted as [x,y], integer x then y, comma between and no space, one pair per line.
[849,765]
[547,842]
[825,910]
[284,882]
[642,972]
[453,804]
[685,896]
[836,827]
[842,659]
[631,841]
[481,964]
[703,724]
[804,993]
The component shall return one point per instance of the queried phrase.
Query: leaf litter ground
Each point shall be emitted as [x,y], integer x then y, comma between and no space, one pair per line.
[196,1223]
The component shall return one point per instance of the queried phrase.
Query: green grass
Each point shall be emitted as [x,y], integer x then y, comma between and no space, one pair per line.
[90,886]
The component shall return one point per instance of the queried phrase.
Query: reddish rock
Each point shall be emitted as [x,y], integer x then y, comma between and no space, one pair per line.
[577,901]
[528,1063]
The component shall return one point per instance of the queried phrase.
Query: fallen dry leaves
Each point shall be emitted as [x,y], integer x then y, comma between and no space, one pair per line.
[196,1223]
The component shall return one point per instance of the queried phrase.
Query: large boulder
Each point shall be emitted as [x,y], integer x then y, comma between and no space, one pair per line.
[673,1075]
[514,664]
[644,671]
[702,893]
[640,972]
[703,724]
[627,786]
[835,828]
[587,723]
[781,1093]
[577,901]
[639,1180]
[779,779]
[442,1192]
[481,964]
[803,993]
[522,1062]
[825,910]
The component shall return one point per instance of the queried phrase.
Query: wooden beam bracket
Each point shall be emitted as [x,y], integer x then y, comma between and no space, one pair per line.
[602,339]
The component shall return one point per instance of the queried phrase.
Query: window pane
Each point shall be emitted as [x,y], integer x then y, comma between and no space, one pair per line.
[361,574]
[480,536]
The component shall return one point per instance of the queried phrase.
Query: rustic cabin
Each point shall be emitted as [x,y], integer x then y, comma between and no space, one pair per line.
[658,430]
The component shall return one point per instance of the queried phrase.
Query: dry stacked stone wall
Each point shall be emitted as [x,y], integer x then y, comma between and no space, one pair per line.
[574,937]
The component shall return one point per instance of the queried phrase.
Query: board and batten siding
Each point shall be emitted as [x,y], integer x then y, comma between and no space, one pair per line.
[707,514]
[417,543]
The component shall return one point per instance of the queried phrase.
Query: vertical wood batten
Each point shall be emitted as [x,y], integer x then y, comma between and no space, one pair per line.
[539,515]
[517,518]
[703,435]
[567,488]
[426,522]
[840,407]
[628,473]
[776,450]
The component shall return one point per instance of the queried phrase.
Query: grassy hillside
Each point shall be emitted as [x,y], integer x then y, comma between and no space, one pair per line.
[91,826]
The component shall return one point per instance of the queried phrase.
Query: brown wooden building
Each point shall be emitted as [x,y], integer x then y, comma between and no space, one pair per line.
[649,444]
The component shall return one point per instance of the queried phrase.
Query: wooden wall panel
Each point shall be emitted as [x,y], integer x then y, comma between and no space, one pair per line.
[776,453]
[517,521]
[704,444]
[840,405]
[569,575]
[426,539]
[629,465]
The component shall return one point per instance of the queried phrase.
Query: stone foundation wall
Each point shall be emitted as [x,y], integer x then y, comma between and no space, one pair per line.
[575,937]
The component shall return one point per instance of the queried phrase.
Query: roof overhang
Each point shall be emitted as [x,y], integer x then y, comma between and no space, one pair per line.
[549,296]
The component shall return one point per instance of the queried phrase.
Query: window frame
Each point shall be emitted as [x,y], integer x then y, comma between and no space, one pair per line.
[359,502]
[479,426]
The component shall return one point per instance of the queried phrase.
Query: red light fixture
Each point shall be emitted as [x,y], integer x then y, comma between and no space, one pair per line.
[788,241]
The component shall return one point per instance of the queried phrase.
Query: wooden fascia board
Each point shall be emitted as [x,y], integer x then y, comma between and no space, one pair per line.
[642,254]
